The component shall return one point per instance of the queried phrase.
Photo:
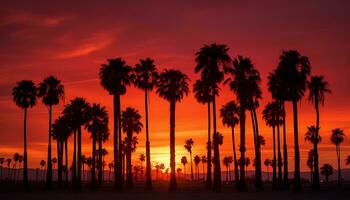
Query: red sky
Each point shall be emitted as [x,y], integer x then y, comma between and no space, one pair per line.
[72,39]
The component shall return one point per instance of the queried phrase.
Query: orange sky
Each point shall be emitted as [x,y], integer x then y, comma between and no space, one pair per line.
[71,40]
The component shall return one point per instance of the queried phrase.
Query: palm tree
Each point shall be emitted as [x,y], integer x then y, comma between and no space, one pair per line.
[1,167]
[292,71]
[197,160]
[337,138]
[347,160]
[318,87]
[16,157]
[227,162]
[267,163]
[312,136]
[76,111]
[142,159]
[115,76]
[211,60]
[54,162]
[146,78]
[244,80]
[8,162]
[310,163]
[42,166]
[131,124]
[327,170]
[97,125]
[204,160]
[229,114]
[184,162]
[188,146]
[24,96]
[172,86]
[178,170]
[51,91]
[110,166]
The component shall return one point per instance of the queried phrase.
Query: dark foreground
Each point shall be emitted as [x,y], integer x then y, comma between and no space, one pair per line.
[187,191]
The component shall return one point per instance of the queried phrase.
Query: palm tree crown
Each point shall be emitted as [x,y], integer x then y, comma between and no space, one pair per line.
[172,85]
[131,121]
[51,90]
[230,114]
[337,136]
[310,135]
[146,74]
[317,89]
[24,94]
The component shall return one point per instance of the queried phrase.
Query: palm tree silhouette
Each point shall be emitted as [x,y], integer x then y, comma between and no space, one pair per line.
[230,117]
[267,163]
[178,170]
[16,157]
[188,146]
[310,163]
[227,162]
[8,163]
[51,91]
[197,160]
[327,170]
[142,159]
[42,166]
[184,163]
[110,166]
[131,124]
[244,80]
[347,160]
[172,86]
[1,167]
[293,70]
[146,78]
[273,118]
[318,87]
[211,60]
[115,76]
[97,125]
[24,96]
[204,160]
[337,138]
[76,111]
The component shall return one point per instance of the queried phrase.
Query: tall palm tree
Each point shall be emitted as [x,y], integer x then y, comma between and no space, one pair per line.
[115,76]
[51,91]
[230,117]
[267,163]
[197,160]
[210,62]
[227,162]
[77,111]
[24,96]
[184,163]
[203,94]
[293,70]
[188,146]
[318,87]
[310,163]
[146,78]
[131,124]
[142,159]
[337,138]
[172,86]
[97,125]
[273,118]
[244,80]
[327,170]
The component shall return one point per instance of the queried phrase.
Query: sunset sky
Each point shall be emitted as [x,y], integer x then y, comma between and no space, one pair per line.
[71,39]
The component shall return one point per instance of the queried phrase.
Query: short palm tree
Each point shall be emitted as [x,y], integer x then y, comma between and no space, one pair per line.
[310,163]
[318,87]
[16,157]
[42,166]
[184,163]
[115,76]
[24,96]
[204,161]
[293,70]
[227,162]
[347,160]
[267,163]
[145,79]
[327,170]
[131,124]
[337,138]
[142,159]
[51,91]
[230,117]
[188,146]
[197,160]
[210,63]
[172,86]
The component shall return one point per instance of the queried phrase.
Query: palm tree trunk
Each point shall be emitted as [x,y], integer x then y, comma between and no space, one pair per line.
[279,158]
[67,167]
[285,151]
[191,165]
[297,182]
[49,164]
[74,167]
[172,185]
[217,169]
[208,183]
[60,158]
[100,163]
[129,183]
[258,173]
[93,162]
[25,160]
[242,118]
[274,161]
[235,163]
[148,148]
[316,174]
[79,159]
[339,168]
[117,147]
